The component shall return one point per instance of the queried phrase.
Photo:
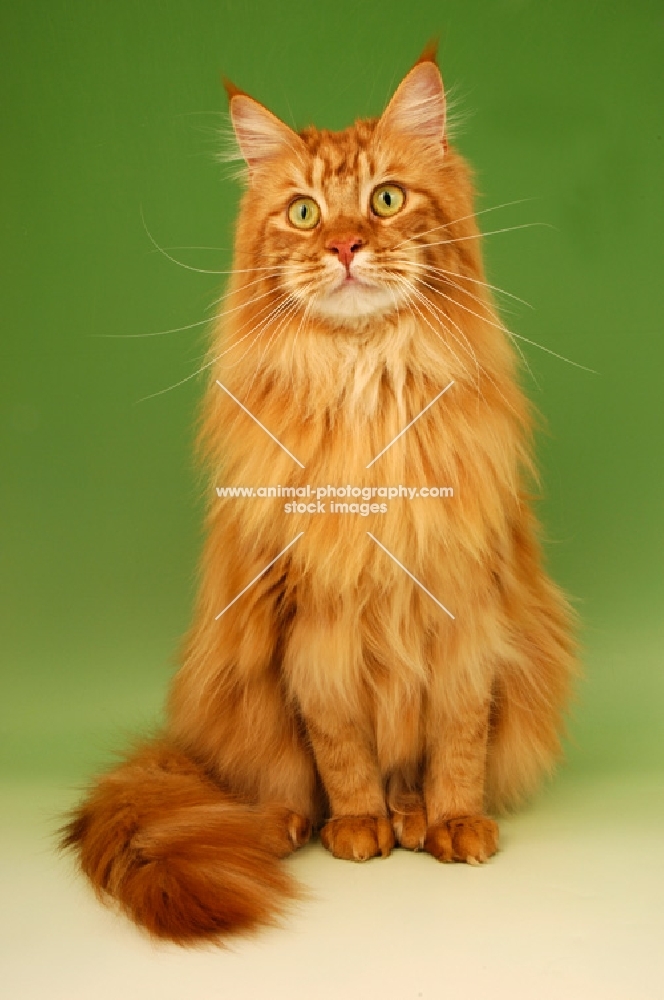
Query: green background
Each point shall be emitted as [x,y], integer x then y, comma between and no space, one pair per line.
[111,115]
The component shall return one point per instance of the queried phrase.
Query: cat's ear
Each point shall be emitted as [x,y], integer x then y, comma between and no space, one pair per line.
[260,135]
[417,108]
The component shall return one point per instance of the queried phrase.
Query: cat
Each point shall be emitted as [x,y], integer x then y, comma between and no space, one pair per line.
[391,679]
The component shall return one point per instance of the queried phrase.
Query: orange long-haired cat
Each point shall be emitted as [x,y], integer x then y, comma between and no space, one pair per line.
[388,673]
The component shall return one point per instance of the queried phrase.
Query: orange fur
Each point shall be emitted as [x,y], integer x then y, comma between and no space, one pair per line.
[335,692]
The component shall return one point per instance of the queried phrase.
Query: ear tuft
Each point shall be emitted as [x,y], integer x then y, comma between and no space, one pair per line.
[430,52]
[231,89]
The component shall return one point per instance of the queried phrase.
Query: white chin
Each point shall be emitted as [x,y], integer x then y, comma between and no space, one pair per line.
[354,301]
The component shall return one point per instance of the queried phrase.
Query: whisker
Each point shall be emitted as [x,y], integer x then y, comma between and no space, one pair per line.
[471,215]
[476,298]
[502,327]
[209,363]
[490,232]
[176,385]
[203,270]
[464,277]
[510,333]
[483,370]
[273,311]
[189,326]
[174,260]
[216,249]
[446,316]
[441,316]
[288,314]
[561,357]
[264,311]
[412,290]
[481,367]
[156,333]
[287,309]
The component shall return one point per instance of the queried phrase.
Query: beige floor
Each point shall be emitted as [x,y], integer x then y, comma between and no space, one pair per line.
[571,909]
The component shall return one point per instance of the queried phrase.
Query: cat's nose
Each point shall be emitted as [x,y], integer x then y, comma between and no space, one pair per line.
[345,247]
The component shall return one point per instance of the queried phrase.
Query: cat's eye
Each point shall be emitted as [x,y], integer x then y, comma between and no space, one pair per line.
[303,213]
[387,199]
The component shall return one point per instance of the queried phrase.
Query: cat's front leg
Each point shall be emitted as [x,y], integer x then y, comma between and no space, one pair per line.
[324,671]
[407,812]
[457,730]
[358,828]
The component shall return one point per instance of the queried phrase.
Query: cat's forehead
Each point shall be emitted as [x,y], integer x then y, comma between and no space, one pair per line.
[340,162]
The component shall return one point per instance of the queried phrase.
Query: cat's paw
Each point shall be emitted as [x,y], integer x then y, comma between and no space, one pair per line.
[467,838]
[410,826]
[284,830]
[358,838]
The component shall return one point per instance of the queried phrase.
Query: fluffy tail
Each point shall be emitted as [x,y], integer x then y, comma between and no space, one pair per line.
[183,859]
[531,694]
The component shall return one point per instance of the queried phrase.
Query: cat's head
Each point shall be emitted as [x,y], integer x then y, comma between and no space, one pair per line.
[352,224]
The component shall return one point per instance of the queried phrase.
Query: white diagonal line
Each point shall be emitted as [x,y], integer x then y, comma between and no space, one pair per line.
[414,578]
[217,617]
[262,426]
[408,426]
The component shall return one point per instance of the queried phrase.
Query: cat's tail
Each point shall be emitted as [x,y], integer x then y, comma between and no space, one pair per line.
[182,858]
[531,694]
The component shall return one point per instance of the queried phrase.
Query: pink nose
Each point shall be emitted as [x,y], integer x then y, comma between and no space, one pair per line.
[345,247]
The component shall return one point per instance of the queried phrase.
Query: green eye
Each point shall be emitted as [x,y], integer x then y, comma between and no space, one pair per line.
[303,213]
[387,200]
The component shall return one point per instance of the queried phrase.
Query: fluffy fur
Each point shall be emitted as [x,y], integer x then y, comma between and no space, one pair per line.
[335,694]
